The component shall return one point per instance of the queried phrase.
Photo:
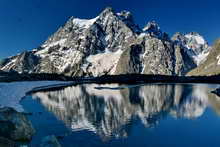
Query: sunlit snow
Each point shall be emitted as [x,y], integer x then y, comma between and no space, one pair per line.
[199,39]
[84,23]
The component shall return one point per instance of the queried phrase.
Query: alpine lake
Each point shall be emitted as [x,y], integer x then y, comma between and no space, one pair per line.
[117,115]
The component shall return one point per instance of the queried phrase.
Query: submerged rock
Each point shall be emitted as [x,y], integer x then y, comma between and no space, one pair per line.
[15,125]
[50,141]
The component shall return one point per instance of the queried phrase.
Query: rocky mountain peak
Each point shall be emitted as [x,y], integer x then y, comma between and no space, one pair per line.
[127,17]
[109,44]
[195,45]
[178,37]
[106,11]
[191,39]
[211,66]
[106,14]
[152,28]
[195,37]
[109,17]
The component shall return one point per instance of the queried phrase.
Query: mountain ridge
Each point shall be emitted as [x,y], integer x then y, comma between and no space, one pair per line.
[111,44]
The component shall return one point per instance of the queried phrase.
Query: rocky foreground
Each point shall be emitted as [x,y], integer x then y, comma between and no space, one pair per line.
[17,129]
[14,126]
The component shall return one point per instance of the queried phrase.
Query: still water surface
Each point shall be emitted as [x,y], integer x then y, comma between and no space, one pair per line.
[153,115]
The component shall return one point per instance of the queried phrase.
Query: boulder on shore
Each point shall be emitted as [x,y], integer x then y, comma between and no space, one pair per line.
[14,125]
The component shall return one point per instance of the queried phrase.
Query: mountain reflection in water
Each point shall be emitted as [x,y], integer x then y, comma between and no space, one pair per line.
[110,112]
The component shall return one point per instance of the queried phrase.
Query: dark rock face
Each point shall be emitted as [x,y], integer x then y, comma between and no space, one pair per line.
[158,57]
[183,62]
[110,44]
[14,125]
[130,61]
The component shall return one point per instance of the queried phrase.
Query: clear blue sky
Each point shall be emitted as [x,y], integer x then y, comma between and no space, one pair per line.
[25,24]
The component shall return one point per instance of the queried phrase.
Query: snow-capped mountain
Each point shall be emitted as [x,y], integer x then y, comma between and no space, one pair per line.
[195,46]
[211,66]
[111,43]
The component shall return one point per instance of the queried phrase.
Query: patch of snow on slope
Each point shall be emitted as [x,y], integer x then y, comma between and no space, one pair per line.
[60,42]
[103,62]
[201,57]
[11,93]
[143,64]
[84,23]
[144,34]
[218,58]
